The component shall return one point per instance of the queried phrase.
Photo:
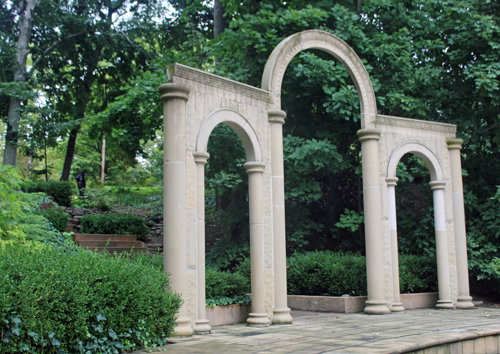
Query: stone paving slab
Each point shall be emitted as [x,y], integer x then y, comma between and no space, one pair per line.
[411,330]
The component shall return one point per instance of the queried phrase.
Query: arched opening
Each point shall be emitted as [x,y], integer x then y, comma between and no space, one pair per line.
[217,125]
[421,217]
[272,81]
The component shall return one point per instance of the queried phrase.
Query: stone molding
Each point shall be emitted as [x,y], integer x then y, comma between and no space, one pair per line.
[316,39]
[192,74]
[416,124]
[454,143]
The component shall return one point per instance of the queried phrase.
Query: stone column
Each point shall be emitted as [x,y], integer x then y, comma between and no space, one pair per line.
[281,312]
[464,300]
[444,301]
[200,158]
[174,97]
[258,316]
[393,228]
[376,303]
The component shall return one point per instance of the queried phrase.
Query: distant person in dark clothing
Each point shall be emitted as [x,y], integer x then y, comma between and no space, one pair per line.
[80,179]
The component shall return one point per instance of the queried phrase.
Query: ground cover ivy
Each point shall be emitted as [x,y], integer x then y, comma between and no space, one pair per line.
[62,302]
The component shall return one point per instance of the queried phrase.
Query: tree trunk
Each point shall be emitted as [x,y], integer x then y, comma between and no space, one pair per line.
[26,8]
[358,6]
[70,152]
[82,107]
[220,21]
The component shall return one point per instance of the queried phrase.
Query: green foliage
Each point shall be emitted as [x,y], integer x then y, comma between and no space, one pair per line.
[232,300]
[350,220]
[335,274]
[483,238]
[19,224]
[54,302]
[417,274]
[414,207]
[61,191]
[326,273]
[58,218]
[225,284]
[97,197]
[117,224]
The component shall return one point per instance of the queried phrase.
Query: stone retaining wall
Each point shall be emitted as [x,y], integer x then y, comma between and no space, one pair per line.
[154,241]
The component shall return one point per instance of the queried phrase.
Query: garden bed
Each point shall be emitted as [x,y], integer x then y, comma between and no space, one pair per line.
[229,314]
[353,304]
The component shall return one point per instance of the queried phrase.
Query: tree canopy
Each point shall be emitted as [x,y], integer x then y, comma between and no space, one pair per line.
[92,68]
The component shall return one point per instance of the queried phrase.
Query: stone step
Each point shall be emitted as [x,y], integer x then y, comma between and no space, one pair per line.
[100,243]
[96,237]
[119,250]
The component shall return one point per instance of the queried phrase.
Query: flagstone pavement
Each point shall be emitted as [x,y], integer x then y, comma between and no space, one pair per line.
[310,333]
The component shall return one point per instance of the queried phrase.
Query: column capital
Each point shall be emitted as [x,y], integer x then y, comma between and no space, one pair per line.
[276,116]
[392,181]
[368,134]
[454,143]
[171,91]
[255,167]
[200,157]
[435,185]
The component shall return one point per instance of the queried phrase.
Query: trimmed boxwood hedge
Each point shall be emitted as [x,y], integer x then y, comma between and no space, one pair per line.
[115,224]
[335,274]
[61,191]
[53,301]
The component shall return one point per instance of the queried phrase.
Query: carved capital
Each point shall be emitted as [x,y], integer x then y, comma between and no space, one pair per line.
[201,157]
[368,134]
[392,181]
[276,116]
[255,167]
[171,91]
[454,143]
[435,185]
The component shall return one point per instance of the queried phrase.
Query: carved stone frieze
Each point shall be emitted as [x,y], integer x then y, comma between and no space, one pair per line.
[185,72]
[407,123]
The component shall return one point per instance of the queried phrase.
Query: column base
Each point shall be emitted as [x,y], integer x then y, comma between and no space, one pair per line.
[258,320]
[445,304]
[281,315]
[202,326]
[376,307]
[183,328]
[397,307]
[464,302]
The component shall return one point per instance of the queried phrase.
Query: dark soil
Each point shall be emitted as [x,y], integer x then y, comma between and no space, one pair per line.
[491,301]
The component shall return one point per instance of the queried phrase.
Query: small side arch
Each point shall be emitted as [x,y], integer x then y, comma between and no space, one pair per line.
[242,127]
[422,151]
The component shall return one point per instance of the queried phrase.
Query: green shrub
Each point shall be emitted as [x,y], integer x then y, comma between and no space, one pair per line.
[225,284]
[326,273]
[334,274]
[19,224]
[233,300]
[55,302]
[61,191]
[58,218]
[417,274]
[117,224]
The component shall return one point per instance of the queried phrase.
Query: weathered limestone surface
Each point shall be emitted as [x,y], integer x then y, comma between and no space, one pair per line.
[195,102]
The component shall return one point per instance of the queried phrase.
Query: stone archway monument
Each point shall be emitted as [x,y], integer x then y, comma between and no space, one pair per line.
[195,102]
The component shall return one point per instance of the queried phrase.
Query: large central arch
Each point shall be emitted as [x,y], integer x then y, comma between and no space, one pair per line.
[369,136]
[315,39]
